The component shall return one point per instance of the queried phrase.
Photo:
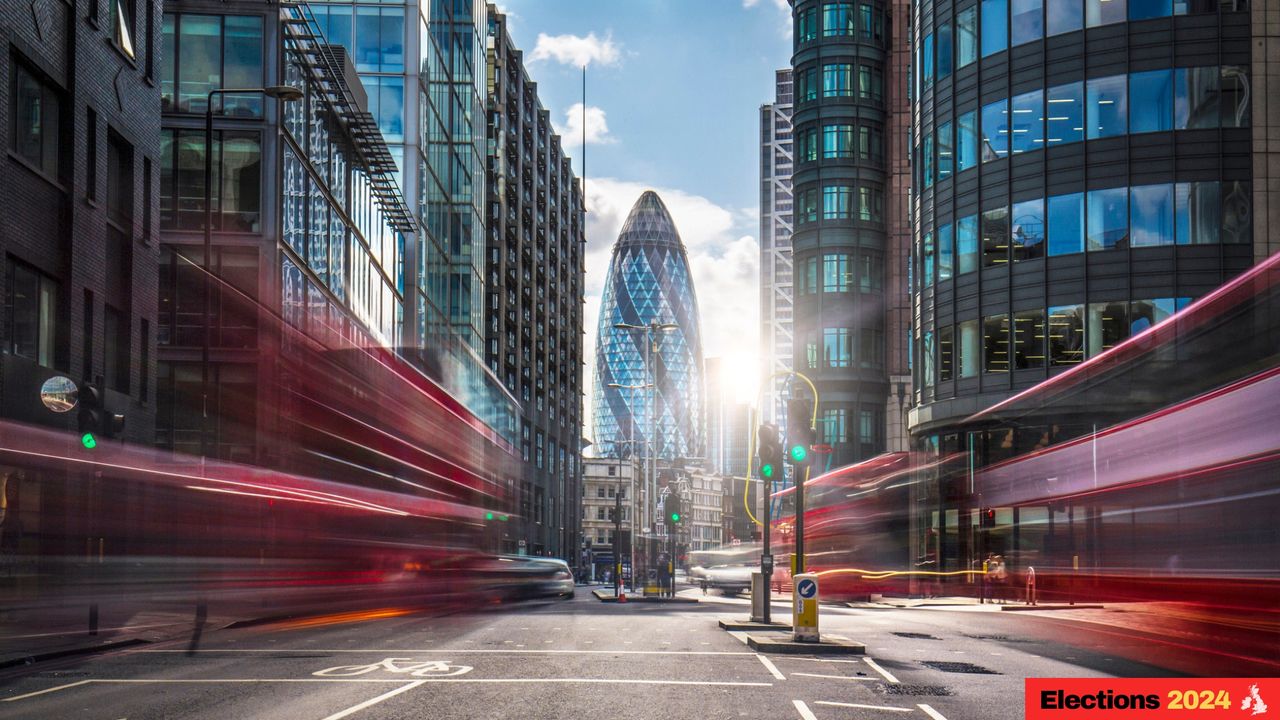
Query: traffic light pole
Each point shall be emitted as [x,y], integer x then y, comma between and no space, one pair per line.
[766,569]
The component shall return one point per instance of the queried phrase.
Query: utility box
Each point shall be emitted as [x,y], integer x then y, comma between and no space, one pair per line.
[759,596]
[804,608]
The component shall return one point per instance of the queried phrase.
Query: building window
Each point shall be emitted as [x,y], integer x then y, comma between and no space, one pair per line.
[868,425]
[37,119]
[995,237]
[811,355]
[1107,105]
[870,204]
[870,83]
[1028,346]
[926,254]
[927,355]
[837,80]
[1151,215]
[809,277]
[1235,96]
[946,151]
[1197,214]
[967,141]
[1195,98]
[837,202]
[1027,122]
[1063,16]
[946,253]
[927,60]
[871,349]
[116,356]
[1027,21]
[1108,219]
[1066,335]
[995,130]
[807,206]
[967,244]
[837,141]
[237,181]
[1027,233]
[1064,121]
[835,426]
[209,52]
[1151,106]
[969,357]
[837,350]
[33,305]
[835,272]
[995,339]
[120,186]
[870,143]
[946,353]
[927,157]
[1107,327]
[995,26]
[806,81]
[807,26]
[870,274]
[1066,224]
[966,36]
[123,16]
[91,154]
[944,51]
[1103,12]
[807,145]
[838,19]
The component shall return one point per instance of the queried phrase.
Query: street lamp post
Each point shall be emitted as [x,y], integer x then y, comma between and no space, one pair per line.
[286,93]
[631,423]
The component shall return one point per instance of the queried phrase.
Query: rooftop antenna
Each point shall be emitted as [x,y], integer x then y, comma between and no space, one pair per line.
[584,139]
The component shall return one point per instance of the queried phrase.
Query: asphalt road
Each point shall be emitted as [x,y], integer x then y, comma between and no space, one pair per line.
[574,659]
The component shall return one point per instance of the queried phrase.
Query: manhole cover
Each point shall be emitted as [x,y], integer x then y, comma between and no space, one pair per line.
[899,689]
[916,636]
[958,667]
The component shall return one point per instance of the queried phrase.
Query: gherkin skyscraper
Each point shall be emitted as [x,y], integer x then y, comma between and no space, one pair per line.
[649,285]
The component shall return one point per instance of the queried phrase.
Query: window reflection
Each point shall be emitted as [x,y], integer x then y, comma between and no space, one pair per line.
[967,141]
[1103,12]
[1028,122]
[1197,215]
[967,244]
[1144,9]
[1235,97]
[926,253]
[1108,219]
[1151,215]
[1028,328]
[1151,101]
[946,253]
[1066,224]
[946,353]
[1066,335]
[1063,16]
[1195,97]
[1236,212]
[1107,101]
[995,340]
[1108,326]
[1028,230]
[995,130]
[968,349]
[995,26]
[1028,23]
[944,51]
[995,237]
[946,154]
[966,36]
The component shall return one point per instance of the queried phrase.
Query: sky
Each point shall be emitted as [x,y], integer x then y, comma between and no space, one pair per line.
[674,89]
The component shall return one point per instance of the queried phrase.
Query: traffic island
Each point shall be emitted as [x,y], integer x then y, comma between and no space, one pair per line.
[608,597]
[785,645]
[750,625]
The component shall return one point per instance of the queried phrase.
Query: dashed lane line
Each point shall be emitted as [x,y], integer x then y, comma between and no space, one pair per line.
[887,708]
[804,710]
[46,690]
[885,673]
[771,667]
[836,677]
[374,700]
[931,712]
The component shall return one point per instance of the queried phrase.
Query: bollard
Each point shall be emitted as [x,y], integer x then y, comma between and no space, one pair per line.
[1031,586]
[804,608]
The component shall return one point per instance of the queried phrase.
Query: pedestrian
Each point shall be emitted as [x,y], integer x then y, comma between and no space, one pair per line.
[1000,578]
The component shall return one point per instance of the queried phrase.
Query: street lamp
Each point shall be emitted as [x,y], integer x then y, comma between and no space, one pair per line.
[284,93]
[631,423]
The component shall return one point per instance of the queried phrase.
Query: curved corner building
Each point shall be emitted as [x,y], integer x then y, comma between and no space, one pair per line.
[1083,171]
[649,282]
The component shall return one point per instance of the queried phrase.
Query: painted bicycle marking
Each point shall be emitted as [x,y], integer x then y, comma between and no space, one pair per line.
[399,666]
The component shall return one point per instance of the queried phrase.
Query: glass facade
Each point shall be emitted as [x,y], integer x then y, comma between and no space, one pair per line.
[649,282]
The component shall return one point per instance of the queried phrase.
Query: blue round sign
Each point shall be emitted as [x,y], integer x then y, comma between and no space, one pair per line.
[807,588]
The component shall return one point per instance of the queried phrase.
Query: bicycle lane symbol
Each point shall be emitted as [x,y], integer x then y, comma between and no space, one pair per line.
[399,666]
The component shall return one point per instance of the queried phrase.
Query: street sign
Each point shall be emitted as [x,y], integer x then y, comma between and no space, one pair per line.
[766,564]
[807,588]
[804,609]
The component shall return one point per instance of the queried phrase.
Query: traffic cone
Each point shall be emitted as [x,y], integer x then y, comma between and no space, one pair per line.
[622,596]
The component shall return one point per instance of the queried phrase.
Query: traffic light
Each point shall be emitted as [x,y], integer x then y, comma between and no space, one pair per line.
[94,420]
[769,452]
[987,518]
[674,511]
[800,434]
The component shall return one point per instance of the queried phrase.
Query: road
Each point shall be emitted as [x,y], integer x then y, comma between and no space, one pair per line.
[574,658]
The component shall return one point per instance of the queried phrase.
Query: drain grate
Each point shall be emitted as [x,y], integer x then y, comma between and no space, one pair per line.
[958,667]
[916,636]
[914,690]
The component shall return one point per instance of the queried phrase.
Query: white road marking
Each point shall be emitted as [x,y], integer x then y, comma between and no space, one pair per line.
[822,660]
[47,690]
[804,710]
[931,712]
[864,707]
[459,651]
[771,667]
[835,677]
[887,675]
[374,701]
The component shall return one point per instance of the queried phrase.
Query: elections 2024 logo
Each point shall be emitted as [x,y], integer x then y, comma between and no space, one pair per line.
[1150,698]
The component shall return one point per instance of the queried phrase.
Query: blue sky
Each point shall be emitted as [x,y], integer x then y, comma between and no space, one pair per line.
[678,84]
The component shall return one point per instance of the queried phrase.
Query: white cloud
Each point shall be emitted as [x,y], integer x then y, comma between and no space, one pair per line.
[597,127]
[576,50]
[724,261]
[782,5]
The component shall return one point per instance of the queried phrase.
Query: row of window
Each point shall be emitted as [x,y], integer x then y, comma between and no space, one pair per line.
[839,19]
[1152,101]
[1008,23]
[834,80]
[840,140]
[209,52]
[836,202]
[1187,213]
[833,424]
[837,273]
[1028,339]
[833,347]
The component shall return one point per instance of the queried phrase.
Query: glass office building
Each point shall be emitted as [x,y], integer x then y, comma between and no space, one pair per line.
[1083,170]
[649,282]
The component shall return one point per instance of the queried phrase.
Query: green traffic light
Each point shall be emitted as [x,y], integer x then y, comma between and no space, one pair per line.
[799,453]
[488,516]
[503,518]
[766,470]
[675,517]
[89,441]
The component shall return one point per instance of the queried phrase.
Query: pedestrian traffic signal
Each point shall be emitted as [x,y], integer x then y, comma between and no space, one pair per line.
[800,434]
[769,452]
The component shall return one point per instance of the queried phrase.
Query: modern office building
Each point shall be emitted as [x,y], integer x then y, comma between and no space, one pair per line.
[649,333]
[534,266]
[78,246]
[1085,169]
[777,161]
[842,249]
[727,425]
